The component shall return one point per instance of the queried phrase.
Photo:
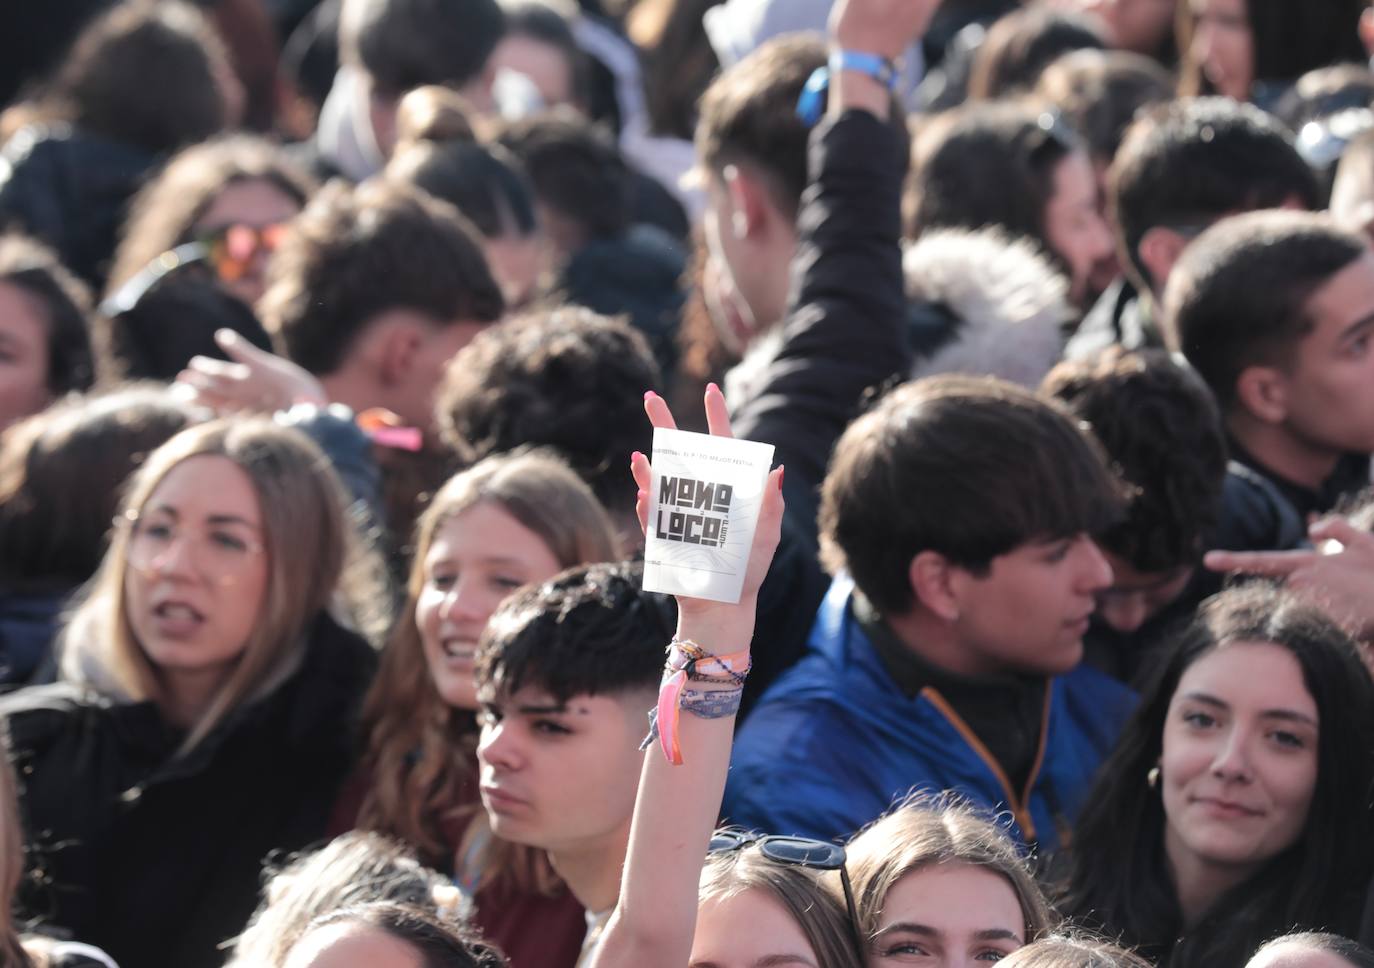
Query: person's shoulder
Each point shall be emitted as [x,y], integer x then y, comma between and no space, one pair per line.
[1255,515]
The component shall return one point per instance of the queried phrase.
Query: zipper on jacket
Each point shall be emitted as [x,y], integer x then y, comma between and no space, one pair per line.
[1019,805]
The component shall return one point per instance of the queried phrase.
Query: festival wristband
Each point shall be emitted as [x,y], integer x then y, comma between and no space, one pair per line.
[703,703]
[688,661]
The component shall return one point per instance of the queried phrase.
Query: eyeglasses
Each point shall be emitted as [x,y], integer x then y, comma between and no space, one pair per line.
[803,852]
[220,555]
[231,248]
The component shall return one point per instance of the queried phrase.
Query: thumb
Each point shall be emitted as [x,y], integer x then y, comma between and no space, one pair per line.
[240,350]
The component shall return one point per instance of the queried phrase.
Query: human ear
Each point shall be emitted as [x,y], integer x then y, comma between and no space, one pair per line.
[1159,249]
[932,582]
[1366,29]
[746,202]
[402,342]
[1262,392]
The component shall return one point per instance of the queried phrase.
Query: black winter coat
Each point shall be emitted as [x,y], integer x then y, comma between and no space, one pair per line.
[157,859]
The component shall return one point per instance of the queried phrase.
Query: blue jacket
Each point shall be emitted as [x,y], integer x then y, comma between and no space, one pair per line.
[834,743]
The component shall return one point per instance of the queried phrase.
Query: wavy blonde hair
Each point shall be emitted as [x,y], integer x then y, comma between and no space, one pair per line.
[421,749]
[925,831]
[307,539]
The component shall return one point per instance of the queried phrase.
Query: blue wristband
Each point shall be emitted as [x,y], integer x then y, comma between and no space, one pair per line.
[811,104]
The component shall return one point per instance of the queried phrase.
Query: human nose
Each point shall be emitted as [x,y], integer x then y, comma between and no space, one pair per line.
[1096,571]
[498,747]
[461,601]
[174,558]
[1231,761]
[1125,613]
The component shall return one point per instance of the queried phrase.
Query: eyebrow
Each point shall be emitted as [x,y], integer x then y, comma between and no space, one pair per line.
[912,927]
[173,513]
[1354,327]
[1287,715]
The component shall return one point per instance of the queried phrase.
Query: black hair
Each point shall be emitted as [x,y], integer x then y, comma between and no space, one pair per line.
[485,182]
[1189,162]
[65,304]
[405,44]
[1161,429]
[986,164]
[567,379]
[1119,879]
[968,467]
[591,630]
[577,170]
[1235,298]
[173,320]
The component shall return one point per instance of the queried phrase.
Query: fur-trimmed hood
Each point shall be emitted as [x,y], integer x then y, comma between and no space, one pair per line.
[986,305]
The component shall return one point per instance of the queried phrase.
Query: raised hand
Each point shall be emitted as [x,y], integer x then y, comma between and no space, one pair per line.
[769,527]
[884,27]
[255,380]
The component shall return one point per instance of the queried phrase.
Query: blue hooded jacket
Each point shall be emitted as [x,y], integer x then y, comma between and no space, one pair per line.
[835,742]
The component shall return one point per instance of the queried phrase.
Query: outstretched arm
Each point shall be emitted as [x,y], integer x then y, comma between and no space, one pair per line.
[676,809]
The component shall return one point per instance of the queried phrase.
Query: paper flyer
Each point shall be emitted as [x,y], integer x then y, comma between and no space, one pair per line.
[704,505]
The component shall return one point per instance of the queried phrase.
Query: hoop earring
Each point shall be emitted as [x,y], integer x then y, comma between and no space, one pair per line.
[1152,778]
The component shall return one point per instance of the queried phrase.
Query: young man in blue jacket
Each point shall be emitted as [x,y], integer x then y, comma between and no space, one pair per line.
[956,515]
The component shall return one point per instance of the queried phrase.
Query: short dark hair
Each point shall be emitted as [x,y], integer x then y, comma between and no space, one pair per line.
[591,630]
[577,170]
[567,379]
[173,320]
[439,943]
[987,163]
[1161,430]
[968,467]
[1022,43]
[65,304]
[1100,92]
[484,182]
[62,475]
[355,253]
[749,116]
[405,44]
[1190,162]
[1118,879]
[1235,298]
[143,74]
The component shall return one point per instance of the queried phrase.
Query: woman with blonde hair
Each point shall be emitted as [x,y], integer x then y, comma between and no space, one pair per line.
[508,521]
[204,717]
[935,875]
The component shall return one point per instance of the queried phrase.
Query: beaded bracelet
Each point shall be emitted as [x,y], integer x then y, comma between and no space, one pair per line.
[688,661]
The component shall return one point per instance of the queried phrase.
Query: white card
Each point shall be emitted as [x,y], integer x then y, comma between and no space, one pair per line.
[703,508]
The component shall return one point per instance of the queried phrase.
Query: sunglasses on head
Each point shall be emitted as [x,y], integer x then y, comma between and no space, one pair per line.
[817,855]
[231,248]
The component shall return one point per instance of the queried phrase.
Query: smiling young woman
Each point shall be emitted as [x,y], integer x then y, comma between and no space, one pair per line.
[1236,805]
[204,717]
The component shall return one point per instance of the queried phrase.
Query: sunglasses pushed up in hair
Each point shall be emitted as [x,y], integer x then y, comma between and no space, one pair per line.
[818,855]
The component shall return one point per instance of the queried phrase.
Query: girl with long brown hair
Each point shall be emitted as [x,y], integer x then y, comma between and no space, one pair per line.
[508,521]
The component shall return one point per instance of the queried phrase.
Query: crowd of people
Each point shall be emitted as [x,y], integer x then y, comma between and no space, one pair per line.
[1054,641]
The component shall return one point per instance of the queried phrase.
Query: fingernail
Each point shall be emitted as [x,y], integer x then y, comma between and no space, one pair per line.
[782,469]
[712,387]
[634,457]
[649,394]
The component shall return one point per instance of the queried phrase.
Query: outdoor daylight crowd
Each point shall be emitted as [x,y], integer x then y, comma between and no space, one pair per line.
[334,339]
